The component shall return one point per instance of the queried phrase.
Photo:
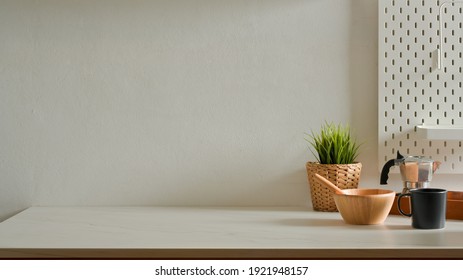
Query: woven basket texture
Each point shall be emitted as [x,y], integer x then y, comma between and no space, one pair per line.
[345,176]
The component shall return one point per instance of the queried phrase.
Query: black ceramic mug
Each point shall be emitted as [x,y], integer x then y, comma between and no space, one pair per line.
[428,207]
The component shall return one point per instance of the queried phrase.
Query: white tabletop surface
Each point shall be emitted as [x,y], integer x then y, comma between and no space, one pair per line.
[213,227]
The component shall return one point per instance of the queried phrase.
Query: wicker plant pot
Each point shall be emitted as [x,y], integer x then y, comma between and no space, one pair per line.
[345,176]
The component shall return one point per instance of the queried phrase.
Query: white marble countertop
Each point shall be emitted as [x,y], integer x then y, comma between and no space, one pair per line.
[156,231]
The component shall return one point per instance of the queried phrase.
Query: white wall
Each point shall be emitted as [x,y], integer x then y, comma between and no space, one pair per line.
[178,102]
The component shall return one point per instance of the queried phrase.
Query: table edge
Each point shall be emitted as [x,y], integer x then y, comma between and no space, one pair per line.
[226,253]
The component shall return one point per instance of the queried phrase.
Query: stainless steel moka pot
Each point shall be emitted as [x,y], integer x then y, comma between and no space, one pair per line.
[416,171]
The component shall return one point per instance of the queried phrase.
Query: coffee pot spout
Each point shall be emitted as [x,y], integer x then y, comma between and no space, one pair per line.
[436,166]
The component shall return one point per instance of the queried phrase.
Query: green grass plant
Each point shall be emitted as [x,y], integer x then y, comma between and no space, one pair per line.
[333,144]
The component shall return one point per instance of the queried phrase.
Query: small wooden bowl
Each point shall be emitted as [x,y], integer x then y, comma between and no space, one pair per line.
[364,206]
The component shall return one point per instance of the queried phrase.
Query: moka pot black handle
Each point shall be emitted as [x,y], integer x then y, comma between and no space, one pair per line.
[385,171]
[387,168]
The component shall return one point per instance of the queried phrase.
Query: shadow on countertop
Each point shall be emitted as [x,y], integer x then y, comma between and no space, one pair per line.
[338,223]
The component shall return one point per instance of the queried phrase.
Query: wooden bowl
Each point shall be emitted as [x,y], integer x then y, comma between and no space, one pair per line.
[364,206]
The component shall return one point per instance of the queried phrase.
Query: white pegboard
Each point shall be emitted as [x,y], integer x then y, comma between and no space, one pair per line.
[412,90]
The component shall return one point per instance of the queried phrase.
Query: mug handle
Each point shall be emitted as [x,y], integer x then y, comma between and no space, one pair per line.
[398,204]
